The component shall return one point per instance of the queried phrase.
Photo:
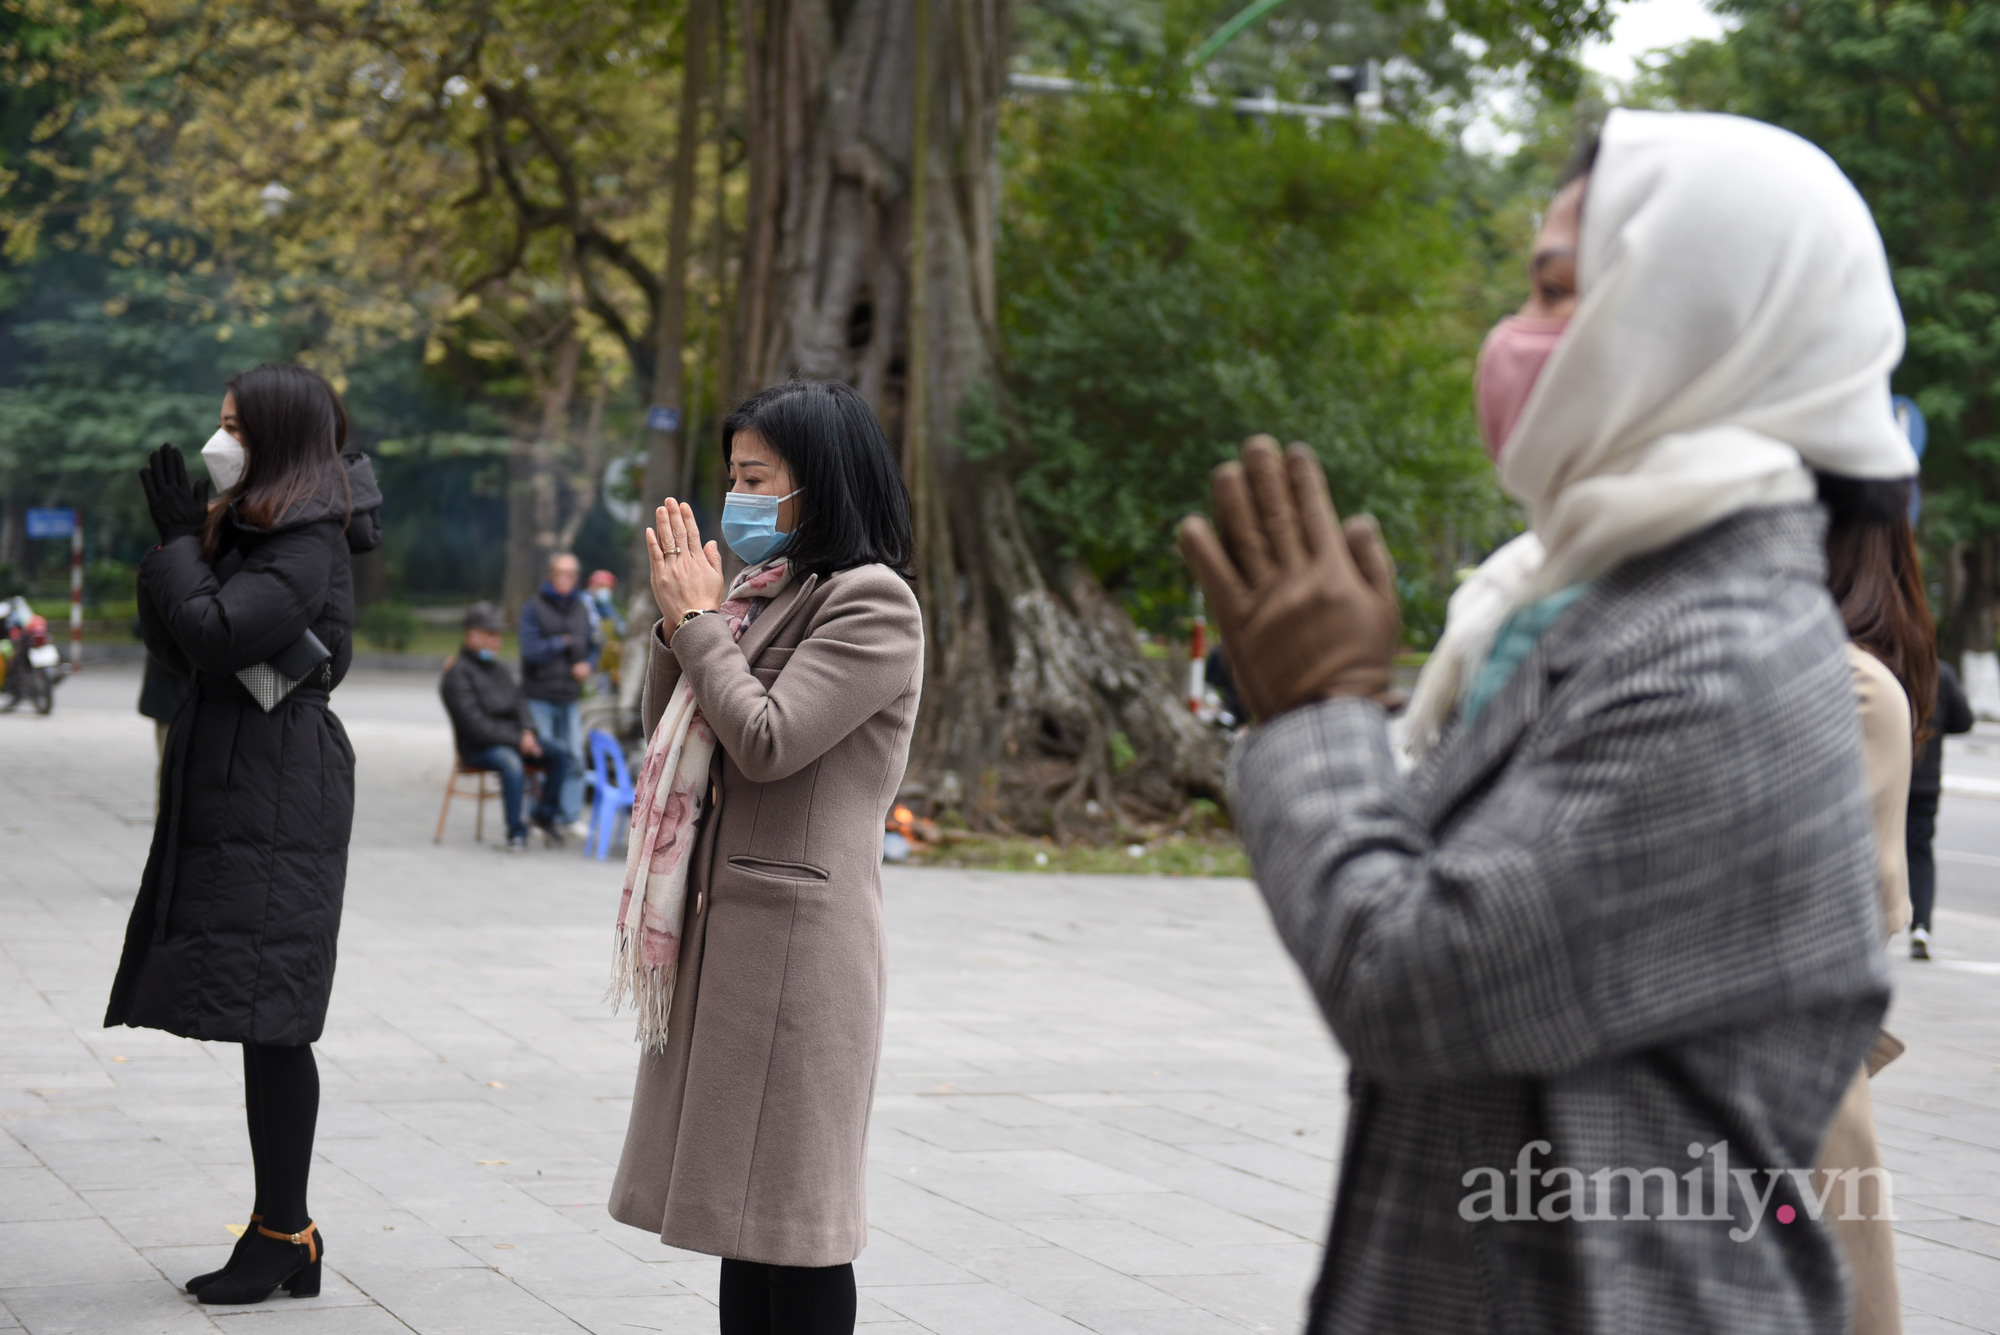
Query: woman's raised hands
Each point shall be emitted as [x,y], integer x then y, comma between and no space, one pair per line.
[178,506]
[687,576]
[1306,605]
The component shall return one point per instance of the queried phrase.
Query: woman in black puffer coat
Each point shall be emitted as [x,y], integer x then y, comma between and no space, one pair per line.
[232,936]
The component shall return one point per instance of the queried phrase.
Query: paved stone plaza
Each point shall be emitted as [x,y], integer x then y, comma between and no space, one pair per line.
[1106,1104]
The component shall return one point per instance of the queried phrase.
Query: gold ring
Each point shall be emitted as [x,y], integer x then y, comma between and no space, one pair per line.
[673,551]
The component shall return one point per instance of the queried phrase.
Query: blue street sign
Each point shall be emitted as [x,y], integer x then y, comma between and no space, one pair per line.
[51,523]
[659,417]
[1911,419]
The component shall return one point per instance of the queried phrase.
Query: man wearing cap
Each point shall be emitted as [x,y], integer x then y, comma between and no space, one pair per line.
[493,728]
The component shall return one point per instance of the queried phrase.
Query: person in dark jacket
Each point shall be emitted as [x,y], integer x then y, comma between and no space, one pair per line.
[161,691]
[491,724]
[558,654]
[1951,714]
[232,936]
[160,694]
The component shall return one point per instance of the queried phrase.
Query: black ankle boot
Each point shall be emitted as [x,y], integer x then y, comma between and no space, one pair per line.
[270,1259]
[235,1255]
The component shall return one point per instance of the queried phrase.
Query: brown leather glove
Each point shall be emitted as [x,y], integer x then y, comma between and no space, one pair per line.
[1306,606]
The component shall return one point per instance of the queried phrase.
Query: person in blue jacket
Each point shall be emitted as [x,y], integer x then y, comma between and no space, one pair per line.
[559,650]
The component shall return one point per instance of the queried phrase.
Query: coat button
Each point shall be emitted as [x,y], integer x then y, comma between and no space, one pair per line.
[700,898]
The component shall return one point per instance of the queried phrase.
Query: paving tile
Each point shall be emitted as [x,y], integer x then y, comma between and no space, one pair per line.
[1948,1298]
[1064,1173]
[460,1302]
[1185,1219]
[889,1261]
[1920,1323]
[1260,1302]
[1130,1249]
[1062,1281]
[556,1266]
[973,1309]
[45,1253]
[137,1307]
[32,1193]
[1177,1321]
[1968,1268]
[296,1320]
[673,1313]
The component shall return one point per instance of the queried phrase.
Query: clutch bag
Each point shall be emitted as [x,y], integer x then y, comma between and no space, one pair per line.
[271,681]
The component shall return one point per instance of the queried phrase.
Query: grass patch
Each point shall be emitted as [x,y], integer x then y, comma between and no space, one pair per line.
[1174,855]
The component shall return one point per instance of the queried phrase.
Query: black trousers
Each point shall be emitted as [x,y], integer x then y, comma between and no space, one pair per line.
[281,1103]
[1920,828]
[760,1299]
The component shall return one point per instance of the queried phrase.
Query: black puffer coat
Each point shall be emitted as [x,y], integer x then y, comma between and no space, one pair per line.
[232,936]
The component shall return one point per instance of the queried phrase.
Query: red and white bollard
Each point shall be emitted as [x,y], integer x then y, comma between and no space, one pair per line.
[76,591]
[1197,679]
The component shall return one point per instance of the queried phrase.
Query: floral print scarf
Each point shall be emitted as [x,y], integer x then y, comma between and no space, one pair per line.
[665,808]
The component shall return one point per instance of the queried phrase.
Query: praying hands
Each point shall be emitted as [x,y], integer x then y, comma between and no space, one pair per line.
[1306,605]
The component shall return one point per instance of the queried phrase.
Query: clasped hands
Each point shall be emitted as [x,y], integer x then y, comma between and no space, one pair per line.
[686,574]
[1306,605]
[177,505]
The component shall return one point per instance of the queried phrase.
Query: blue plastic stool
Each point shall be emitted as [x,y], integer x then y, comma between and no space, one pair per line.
[615,793]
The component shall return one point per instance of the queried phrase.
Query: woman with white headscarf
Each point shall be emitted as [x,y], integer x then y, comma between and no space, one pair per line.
[1605,961]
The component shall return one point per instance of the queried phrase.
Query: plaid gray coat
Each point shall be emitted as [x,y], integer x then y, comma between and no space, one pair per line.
[1630,912]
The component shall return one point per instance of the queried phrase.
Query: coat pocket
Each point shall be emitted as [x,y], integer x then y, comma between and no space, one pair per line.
[776,870]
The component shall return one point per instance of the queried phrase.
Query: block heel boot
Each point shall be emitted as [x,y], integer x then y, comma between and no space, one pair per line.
[235,1254]
[288,1259]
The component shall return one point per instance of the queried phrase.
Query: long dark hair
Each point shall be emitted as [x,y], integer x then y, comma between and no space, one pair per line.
[854,508]
[1874,574]
[294,427]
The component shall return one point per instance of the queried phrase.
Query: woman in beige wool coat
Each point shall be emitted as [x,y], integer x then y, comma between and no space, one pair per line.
[1877,582]
[779,716]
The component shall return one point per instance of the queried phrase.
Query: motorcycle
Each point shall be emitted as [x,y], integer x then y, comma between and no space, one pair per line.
[30,666]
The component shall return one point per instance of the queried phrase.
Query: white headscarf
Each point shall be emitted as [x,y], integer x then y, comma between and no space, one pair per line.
[1736,327]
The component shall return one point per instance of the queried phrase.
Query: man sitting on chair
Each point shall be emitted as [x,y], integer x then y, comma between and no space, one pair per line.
[493,729]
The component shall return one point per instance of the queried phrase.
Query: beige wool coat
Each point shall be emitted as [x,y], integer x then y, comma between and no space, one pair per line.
[748,1136]
[1866,1235]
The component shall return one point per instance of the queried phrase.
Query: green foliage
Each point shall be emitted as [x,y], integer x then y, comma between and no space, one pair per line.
[1435,53]
[1173,280]
[104,364]
[390,625]
[107,581]
[1902,96]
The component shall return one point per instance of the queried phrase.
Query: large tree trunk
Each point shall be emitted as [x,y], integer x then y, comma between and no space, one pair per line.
[666,449]
[532,466]
[1038,705]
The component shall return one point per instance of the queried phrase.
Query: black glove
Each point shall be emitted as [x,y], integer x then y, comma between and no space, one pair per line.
[179,507]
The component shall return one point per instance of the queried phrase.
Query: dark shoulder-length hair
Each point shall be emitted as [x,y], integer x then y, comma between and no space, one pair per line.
[1876,579]
[854,508]
[294,428]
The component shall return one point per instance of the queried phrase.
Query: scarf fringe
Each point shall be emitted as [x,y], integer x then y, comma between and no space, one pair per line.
[649,987]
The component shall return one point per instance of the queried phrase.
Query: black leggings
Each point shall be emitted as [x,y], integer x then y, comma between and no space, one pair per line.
[760,1299]
[281,1103]
[1917,835]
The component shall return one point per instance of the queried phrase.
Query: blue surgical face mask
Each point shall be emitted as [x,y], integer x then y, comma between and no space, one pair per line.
[750,525]
[483,655]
